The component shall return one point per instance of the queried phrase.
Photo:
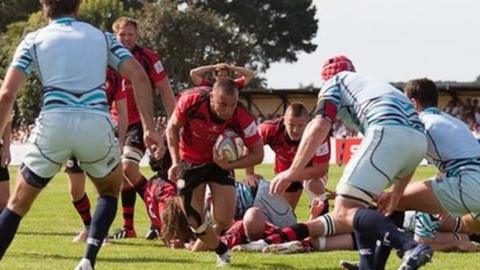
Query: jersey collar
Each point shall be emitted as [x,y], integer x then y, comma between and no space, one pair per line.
[63,20]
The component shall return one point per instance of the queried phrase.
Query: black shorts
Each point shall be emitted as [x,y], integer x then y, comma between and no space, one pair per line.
[4,176]
[72,166]
[295,186]
[194,175]
[134,137]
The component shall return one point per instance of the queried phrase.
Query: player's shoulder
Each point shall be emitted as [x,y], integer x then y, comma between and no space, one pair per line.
[195,95]
[147,52]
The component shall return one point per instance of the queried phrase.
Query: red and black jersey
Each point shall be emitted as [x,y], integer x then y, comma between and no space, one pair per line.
[155,71]
[239,82]
[201,127]
[236,234]
[158,191]
[114,89]
[274,134]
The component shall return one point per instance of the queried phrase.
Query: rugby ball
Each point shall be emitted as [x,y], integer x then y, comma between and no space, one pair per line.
[231,144]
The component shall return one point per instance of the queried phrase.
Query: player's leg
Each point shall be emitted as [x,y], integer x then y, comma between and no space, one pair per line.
[99,156]
[4,187]
[254,223]
[293,193]
[80,200]
[223,205]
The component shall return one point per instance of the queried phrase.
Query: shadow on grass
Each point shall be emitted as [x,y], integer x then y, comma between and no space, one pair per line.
[47,233]
[145,243]
[108,259]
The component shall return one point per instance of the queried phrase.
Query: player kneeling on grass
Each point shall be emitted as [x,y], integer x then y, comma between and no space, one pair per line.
[200,116]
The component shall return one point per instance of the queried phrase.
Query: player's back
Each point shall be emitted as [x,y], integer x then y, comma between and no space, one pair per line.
[451,145]
[71,55]
[363,103]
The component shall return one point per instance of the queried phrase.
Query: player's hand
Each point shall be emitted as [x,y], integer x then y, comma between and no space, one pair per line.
[281,182]
[6,157]
[153,141]
[251,180]
[316,207]
[221,160]
[387,202]
[175,172]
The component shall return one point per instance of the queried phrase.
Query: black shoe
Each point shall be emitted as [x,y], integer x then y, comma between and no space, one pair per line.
[416,257]
[349,265]
[474,238]
[152,234]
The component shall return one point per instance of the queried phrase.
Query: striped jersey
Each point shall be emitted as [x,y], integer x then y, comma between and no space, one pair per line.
[70,59]
[451,145]
[245,197]
[361,103]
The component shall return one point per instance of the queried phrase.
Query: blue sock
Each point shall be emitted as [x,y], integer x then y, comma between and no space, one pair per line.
[382,250]
[366,243]
[101,221]
[9,222]
[371,222]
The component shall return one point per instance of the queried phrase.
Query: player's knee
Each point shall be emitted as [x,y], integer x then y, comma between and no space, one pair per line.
[131,172]
[77,193]
[254,223]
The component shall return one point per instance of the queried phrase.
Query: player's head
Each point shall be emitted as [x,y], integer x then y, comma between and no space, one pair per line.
[422,92]
[335,65]
[295,120]
[224,98]
[125,28]
[175,229]
[58,8]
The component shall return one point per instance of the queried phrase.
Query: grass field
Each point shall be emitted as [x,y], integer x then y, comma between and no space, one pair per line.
[44,241]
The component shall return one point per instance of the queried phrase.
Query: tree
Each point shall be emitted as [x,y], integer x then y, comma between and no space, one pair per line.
[16,10]
[102,13]
[192,37]
[279,28]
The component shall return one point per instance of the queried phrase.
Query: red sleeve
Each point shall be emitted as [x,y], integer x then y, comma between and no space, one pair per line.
[240,82]
[322,154]
[327,109]
[119,91]
[267,130]
[156,71]
[248,126]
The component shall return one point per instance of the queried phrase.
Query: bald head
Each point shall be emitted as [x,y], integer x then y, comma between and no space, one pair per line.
[224,98]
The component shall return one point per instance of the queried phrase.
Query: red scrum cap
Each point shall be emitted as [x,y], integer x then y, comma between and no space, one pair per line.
[335,65]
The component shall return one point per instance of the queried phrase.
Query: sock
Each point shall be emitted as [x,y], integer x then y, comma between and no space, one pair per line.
[296,232]
[128,207]
[102,219]
[83,208]
[383,249]
[221,248]
[141,187]
[9,222]
[366,243]
[368,221]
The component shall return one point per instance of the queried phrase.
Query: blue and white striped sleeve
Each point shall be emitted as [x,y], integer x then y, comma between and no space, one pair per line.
[331,92]
[23,58]
[426,225]
[117,53]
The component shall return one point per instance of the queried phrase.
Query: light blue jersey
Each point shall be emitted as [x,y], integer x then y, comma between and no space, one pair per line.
[451,145]
[421,224]
[361,103]
[70,58]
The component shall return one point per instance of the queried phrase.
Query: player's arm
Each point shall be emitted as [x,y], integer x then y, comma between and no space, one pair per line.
[121,105]
[173,139]
[247,74]
[198,73]
[166,93]
[253,157]
[14,79]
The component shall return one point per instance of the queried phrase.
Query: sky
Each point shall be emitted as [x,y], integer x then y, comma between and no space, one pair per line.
[391,40]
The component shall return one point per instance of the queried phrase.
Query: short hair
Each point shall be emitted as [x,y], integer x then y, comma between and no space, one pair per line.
[297,109]
[57,8]
[227,86]
[423,91]
[122,22]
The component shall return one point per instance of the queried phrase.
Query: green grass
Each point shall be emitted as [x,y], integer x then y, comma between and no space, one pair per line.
[44,241]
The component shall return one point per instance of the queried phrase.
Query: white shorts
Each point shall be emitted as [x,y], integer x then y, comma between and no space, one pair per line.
[386,154]
[275,207]
[87,136]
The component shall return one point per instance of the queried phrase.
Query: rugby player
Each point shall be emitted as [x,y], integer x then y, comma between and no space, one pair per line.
[221,71]
[125,30]
[200,117]
[74,102]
